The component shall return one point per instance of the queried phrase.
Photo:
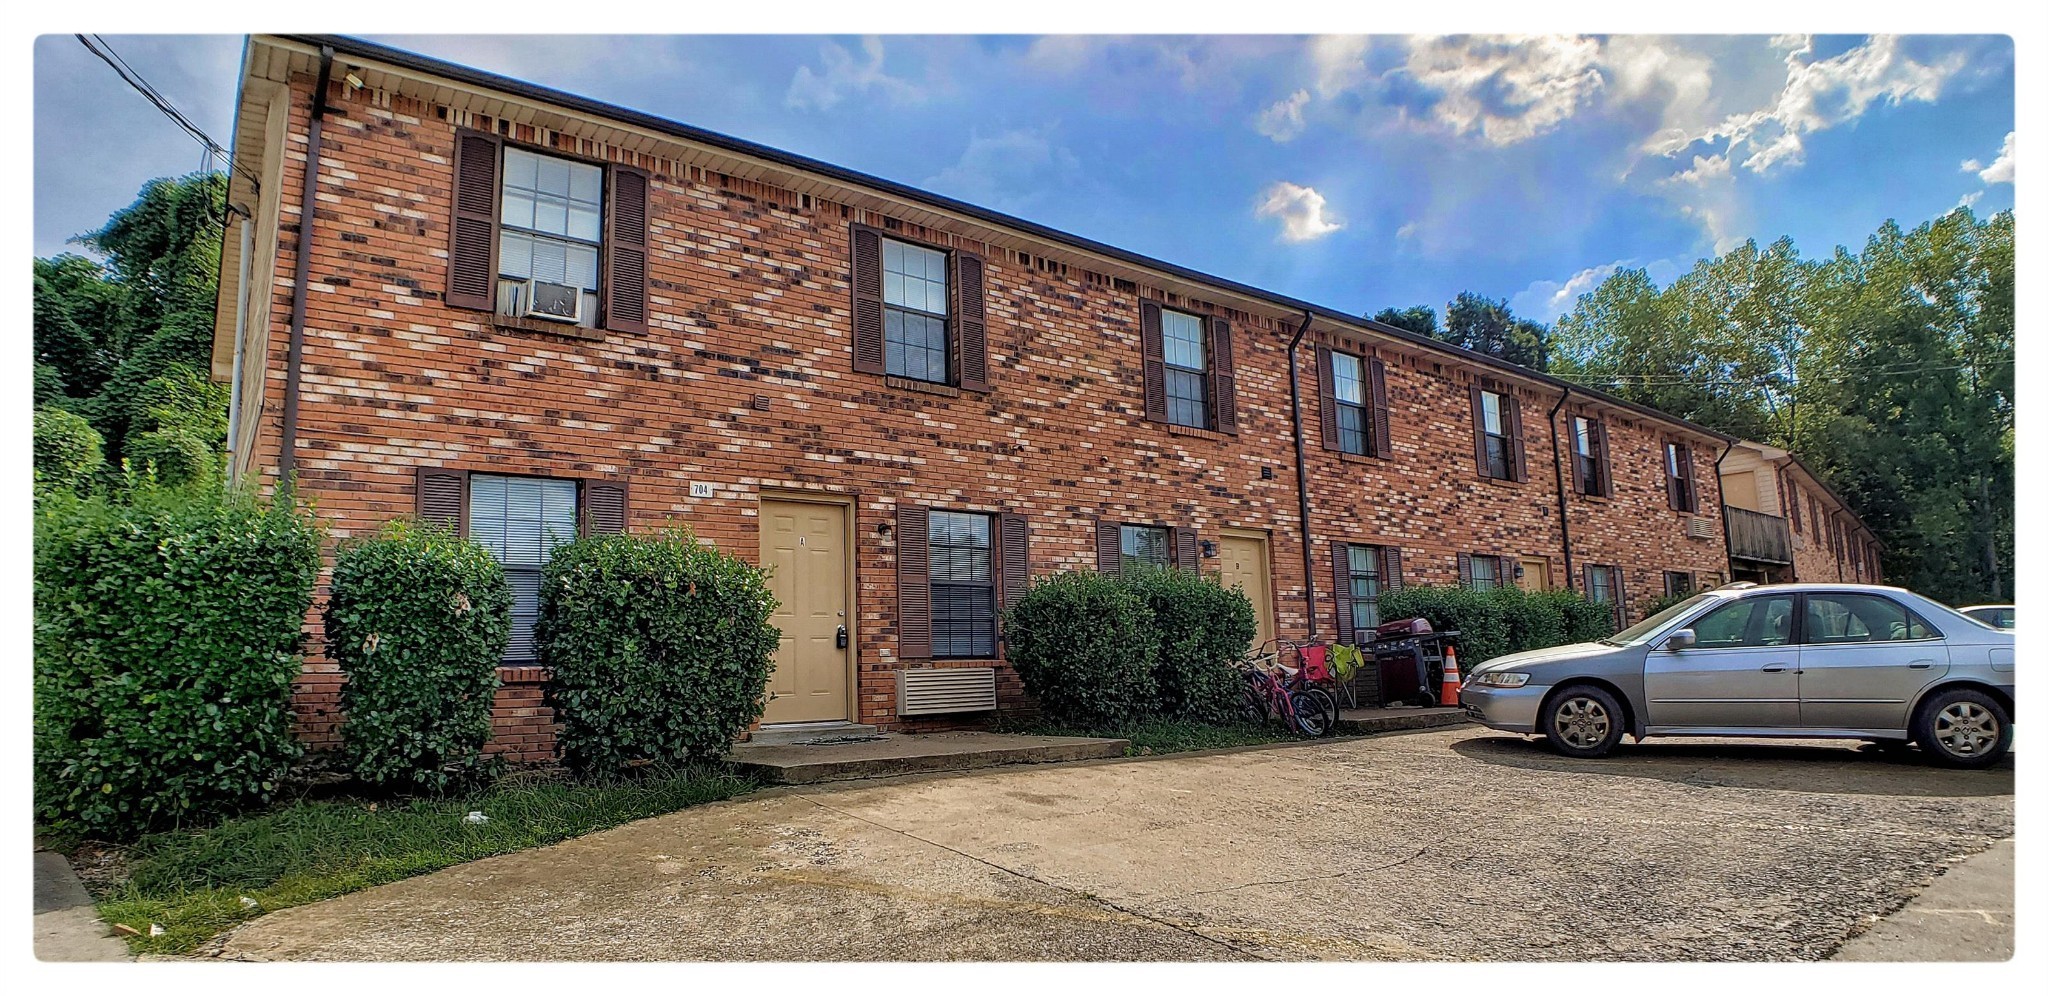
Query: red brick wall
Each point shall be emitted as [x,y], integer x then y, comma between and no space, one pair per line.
[749,300]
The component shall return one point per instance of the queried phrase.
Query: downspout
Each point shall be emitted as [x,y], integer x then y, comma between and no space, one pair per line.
[295,351]
[1727,540]
[1308,569]
[1564,526]
[241,322]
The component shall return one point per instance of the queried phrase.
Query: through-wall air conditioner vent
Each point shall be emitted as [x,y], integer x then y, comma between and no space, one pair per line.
[1699,527]
[927,690]
[554,302]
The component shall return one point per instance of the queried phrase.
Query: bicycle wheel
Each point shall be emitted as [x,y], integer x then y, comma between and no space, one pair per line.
[1252,706]
[1328,703]
[1308,717]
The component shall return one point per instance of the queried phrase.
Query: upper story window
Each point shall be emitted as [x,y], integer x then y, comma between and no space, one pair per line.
[521,520]
[1792,505]
[963,584]
[1678,477]
[1348,386]
[916,306]
[1187,369]
[1589,457]
[1497,454]
[550,231]
[1146,546]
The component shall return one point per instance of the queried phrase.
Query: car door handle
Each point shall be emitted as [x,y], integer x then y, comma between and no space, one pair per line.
[1921,665]
[1775,668]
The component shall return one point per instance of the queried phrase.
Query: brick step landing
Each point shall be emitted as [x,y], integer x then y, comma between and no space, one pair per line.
[901,754]
[1358,722]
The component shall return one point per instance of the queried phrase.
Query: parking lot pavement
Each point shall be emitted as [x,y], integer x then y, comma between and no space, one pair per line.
[1456,844]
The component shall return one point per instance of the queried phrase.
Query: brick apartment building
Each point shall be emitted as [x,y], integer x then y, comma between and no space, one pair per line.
[1785,525]
[528,314]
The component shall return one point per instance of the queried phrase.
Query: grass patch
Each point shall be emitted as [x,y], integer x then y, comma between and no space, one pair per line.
[1162,736]
[193,883]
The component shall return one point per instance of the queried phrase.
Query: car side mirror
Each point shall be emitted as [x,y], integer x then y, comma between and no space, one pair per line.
[1684,639]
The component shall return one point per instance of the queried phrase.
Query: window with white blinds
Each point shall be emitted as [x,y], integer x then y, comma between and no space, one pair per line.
[521,520]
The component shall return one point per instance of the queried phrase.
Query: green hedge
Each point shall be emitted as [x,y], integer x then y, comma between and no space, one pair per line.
[69,452]
[1202,627]
[1501,621]
[168,629]
[1084,644]
[660,648]
[173,457]
[418,618]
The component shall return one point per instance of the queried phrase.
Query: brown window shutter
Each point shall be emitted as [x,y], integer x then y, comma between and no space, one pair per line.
[1606,463]
[1514,413]
[913,583]
[1222,376]
[1571,452]
[1187,554]
[970,320]
[1620,601]
[441,496]
[625,249]
[1479,431]
[1340,569]
[868,340]
[1152,347]
[1464,570]
[1381,428]
[473,225]
[1586,581]
[1109,548]
[604,507]
[1390,568]
[1326,396]
[1016,557]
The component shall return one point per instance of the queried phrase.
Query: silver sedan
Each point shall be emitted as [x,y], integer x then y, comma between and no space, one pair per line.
[1789,660]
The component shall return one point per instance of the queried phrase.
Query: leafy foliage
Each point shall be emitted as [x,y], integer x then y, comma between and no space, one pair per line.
[1084,644]
[167,637]
[418,618]
[1202,628]
[659,648]
[1501,621]
[67,451]
[172,457]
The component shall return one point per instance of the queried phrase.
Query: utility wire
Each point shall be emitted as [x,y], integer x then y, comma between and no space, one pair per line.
[215,151]
[1680,380]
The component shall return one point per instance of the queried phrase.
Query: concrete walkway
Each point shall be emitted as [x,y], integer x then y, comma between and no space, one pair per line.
[1454,845]
[903,754]
[66,928]
[1965,915]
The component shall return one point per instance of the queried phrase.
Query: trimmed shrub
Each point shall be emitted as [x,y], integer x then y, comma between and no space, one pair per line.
[168,630]
[418,618]
[1083,644]
[174,457]
[1201,627]
[68,451]
[1503,620]
[660,648]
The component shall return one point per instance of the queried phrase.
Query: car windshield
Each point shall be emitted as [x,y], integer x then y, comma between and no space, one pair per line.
[1639,633]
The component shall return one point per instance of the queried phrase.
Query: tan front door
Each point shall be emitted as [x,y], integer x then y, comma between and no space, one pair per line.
[1243,562]
[1535,574]
[805,544]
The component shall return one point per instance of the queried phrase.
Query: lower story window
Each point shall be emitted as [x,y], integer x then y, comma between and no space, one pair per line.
[1147,546]
[963,585]
[1677,584]
[521,520]
[1603,585]
[1485,572]
[1365,587]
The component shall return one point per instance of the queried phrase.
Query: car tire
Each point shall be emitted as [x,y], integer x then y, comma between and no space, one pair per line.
[1963,728]
[1582,721]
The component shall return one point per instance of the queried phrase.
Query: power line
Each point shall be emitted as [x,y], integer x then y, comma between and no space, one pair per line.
[98,46]
[1680,380]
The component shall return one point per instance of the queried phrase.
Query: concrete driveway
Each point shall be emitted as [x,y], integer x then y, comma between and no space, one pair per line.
[1454,844]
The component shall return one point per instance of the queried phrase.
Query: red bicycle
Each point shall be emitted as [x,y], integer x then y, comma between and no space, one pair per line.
[1292,695]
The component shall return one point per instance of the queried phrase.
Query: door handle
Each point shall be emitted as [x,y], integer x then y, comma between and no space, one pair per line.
[1775,668]
[1921,665]
[839,638]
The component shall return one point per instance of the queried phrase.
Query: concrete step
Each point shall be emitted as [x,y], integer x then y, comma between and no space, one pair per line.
[900,754]
[1358,722]
[798,733]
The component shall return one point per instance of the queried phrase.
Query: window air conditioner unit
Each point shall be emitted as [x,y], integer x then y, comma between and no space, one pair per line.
[1699,527]
[554,302]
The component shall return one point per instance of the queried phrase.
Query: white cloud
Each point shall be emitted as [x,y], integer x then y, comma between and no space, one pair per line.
[1338,61]
[1302,212]
[843,75]
[1546,300]
[1970,199]
[2000,170]
[1506,89]
[1282,121]
[1011,170]
[1704,169]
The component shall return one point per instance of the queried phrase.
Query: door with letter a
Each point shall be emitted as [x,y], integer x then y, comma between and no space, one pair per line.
[804,544]
[1242,557]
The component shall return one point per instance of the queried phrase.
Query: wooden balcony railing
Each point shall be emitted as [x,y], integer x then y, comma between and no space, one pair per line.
[1756,536]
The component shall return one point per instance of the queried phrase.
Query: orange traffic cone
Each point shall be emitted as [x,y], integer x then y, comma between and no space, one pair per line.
[1451,678]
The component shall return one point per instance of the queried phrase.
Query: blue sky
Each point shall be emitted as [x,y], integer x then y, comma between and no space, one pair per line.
[1359,172]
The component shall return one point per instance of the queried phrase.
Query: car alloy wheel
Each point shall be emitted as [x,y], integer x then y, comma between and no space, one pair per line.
[1966,729]
[1582,721]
